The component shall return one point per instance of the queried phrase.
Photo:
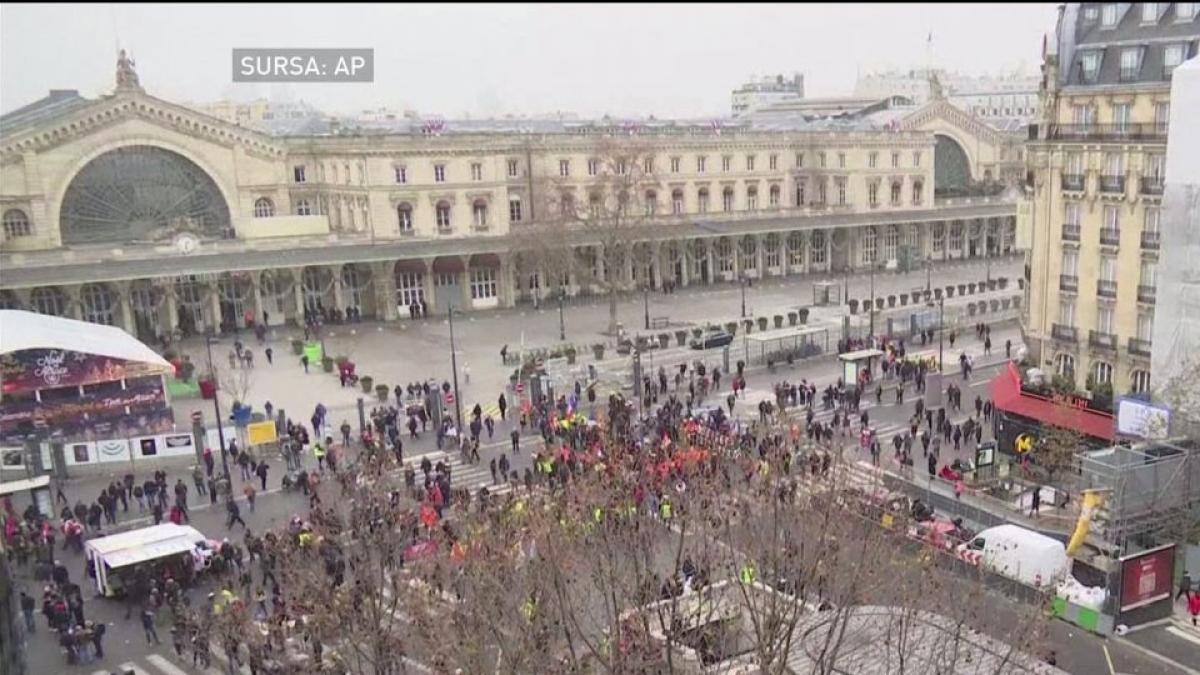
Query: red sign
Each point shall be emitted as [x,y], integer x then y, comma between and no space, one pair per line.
[1146,577]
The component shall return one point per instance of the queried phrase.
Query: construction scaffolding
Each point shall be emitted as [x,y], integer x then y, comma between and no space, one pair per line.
[1153,492]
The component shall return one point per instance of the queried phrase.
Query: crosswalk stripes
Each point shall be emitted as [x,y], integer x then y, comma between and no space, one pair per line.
[472,476]
[164,664]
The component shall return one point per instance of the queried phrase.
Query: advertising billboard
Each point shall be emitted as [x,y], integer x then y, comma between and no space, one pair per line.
[1146,577]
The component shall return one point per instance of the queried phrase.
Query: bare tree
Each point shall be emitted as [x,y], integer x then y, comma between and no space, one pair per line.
[606,212]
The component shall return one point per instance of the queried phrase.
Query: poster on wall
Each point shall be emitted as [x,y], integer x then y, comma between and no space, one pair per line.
[115,450]
[31,369]
[1146,577]
[176,444]
[148,447]
[80,453]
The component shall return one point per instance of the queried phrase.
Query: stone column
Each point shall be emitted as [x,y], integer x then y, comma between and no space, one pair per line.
[828,252]
[427,281]
[127,321]
[805,253]
[171,305]
[736,252]
[256,296]
[684,264]
[601,270]
[709,262]
[384,282]
[339,295]
[298,288]
[760,257]
[466,284]
[214,308]
[504,283]
[627,266]
[656,254]
[74,305]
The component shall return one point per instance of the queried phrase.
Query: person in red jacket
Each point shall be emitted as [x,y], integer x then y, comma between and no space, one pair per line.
[1194,607]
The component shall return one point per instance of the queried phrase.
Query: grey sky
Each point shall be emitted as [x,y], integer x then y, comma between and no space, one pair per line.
[667,60]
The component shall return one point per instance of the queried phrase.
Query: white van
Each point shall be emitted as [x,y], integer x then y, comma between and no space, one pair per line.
[111,559]
[1021,554]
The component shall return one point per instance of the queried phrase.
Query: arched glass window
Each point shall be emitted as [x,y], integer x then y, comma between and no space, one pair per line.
[443,215]
[98,304]
[727,199]
[918,190]
[651,205]
[263,208]
[1139,382]
[50,301]
[677,201]
[751,198]
[1064,365]
[16,224]
[702,200]
[303,208]
[479,213]
[773,195]
[404,216]
[1102,372]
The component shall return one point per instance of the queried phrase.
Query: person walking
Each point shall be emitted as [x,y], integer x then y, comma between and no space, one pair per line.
[28,605]
[1185,588]
[516,442]
[304,362]
[1035,502]
[148,626]
[502,404]
[235,514]
[251,493]
[261,472]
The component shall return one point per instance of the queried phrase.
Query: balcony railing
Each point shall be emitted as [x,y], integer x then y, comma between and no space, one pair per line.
[1147,293]
[1073,182]
[1102,340]
[1110,236]
[1068,283]
[1108,132]
[1152,185]
[1070,232]
[1150,240]
[1139,347]
[1112,184]
[1106,289]
[1063,333]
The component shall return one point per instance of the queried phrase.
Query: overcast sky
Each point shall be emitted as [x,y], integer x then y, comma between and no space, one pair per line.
[667,60]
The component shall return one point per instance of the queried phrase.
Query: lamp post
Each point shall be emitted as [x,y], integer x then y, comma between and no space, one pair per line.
[928,273]
[454,369]
[562,326]
[208,342]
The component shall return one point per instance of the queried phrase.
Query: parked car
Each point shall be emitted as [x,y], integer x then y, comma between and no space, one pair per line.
[715,338]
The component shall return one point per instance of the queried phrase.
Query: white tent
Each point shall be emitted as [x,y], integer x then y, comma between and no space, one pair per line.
[21,330]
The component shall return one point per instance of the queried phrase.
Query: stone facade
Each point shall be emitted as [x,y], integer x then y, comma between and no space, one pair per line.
[373,221]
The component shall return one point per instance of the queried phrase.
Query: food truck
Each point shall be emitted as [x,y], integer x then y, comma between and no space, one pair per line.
[113,559]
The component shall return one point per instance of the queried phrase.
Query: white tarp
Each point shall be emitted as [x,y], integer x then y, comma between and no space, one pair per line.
[1176,335]
[21,330]
[147,543]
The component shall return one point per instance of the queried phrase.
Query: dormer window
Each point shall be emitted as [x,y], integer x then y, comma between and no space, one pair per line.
[1108,16]
[1149,12]
[1173,56]
[1131,61]
[1091,65]
[1185,11]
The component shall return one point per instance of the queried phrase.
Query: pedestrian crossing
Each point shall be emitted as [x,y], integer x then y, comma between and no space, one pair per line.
[159,664]
[465,475]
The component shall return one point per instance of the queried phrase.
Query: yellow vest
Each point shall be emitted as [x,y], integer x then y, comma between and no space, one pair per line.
[747,574]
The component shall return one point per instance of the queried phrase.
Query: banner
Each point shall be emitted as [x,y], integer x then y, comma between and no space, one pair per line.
[1146,577]
[142,397]
[31,369]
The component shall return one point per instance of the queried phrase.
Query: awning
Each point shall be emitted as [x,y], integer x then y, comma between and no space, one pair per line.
[1008,396]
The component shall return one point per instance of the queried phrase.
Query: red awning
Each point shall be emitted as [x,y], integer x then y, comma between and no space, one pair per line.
[1007,396]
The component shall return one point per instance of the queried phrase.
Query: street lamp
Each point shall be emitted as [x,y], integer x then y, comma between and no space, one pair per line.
[562,326]
[928,272]
[208,343]
[872,314]
[742,280]
[454,369]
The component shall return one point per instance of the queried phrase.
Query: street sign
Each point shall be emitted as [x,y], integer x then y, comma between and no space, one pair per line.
[1024,444]
[261,433]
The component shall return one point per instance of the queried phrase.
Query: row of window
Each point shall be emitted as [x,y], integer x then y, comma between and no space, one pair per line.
[1106,321]
[1112,217]
[1148,276]
[596,167]
[1109,13]
[1114,165]
[1132,59]
[1121,115]
[1102,373]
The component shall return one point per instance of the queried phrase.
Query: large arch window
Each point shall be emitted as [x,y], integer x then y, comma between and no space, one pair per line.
[141,193]
[98,303]
[951,168]
[50,301]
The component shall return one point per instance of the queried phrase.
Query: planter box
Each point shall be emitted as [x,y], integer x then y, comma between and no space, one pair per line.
[1002,282]
[971,287]
[991,285]
[732,327]
[762,323]
[778,321]
[904,301]
[327,364]
[916,297]
[995,305]
[367,384]
[878,303]
[962,289]
[664,340]
[804,316]
[381,390]
[937,293]
[697,333]
[297,347]
[971,309]
[598,351]
[1006,303]
[793,318]
[891,301]
[1020,284]
[681,338]
[571,358]
[749,324]
[1016,302]
[854,307]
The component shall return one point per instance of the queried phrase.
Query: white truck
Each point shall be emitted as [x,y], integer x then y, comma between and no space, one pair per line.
[1021,554]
